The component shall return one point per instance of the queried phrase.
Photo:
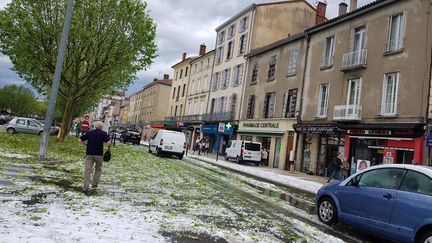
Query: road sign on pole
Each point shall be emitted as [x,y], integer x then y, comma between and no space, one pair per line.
[221,127]
[56,80]
[85,126]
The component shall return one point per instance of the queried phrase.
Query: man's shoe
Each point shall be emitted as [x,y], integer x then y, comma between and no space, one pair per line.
[94,186]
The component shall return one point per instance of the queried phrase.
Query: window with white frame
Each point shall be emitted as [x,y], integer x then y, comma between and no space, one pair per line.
[290,103]
[254,73]
[292,65]
[215,81]
[238,74]
[225,78]
[192,87]
[389,95]
[222,104]
[395,36]
[205,82]
[203,103]
[327,59]
[244,23]
[323,100]
[269,103]
[243,43]
[230,50]
[198,87]
[272,68]
[195,68]
[231,31]
[221,37]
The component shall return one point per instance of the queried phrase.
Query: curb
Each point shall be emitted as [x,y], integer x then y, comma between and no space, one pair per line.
[277,183]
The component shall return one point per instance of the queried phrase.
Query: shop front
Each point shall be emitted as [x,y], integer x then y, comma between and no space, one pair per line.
[210,133]
[276,135]
[389,144]
[318,146]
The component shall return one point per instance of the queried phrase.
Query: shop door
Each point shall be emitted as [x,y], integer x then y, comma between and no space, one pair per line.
[290,142]
[277,153]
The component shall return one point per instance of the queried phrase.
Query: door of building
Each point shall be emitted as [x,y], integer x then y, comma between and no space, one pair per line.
[276,160]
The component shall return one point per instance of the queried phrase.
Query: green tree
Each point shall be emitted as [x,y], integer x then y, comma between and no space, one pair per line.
[18,100]
[109,42]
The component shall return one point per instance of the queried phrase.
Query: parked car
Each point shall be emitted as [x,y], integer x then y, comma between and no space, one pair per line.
[54,126]
[26,125]
[243,151]
[131,135]
[168,142]
[392,201]
[117,132]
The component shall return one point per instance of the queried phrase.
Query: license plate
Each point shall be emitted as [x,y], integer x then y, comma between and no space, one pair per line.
[169,147]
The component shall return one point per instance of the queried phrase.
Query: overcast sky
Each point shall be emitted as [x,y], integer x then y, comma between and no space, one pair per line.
[182,25]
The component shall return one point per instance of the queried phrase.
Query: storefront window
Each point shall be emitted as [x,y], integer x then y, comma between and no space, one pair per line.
[246,138]
[306,153]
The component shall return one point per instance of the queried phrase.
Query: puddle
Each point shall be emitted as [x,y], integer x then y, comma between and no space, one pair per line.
[293,199]
[191,237]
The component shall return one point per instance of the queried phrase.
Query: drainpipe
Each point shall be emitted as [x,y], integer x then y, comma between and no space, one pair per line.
[307,37]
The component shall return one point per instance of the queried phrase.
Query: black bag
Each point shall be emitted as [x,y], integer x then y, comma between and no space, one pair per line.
[107,155]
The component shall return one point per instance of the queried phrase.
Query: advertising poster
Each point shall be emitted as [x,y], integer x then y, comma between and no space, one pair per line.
[362,164]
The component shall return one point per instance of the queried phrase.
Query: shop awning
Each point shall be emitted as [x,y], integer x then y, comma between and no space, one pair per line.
[261,133]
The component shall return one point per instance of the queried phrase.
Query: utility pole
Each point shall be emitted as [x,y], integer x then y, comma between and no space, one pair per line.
[56,81]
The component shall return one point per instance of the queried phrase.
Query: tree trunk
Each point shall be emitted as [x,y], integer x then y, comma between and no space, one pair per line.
[69,124]
[66,117]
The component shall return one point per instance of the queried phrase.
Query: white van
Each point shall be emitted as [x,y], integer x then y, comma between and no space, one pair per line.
[168,142]
[243,151]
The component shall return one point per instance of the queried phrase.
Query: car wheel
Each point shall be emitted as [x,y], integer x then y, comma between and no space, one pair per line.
[426,237]
[238,160]
[226,158]
[180,156]
[11,130]
[149,150]
[327,212]
[158,151]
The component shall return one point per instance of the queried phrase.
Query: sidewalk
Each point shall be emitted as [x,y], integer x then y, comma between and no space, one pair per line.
[292,179]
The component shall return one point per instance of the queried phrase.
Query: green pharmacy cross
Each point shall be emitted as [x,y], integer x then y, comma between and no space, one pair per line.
[228,125]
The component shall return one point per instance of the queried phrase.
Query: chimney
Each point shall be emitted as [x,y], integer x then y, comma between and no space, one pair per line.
[166,76]
[202,50]
[321,11]
[184,56]
[353,5]
[342,8]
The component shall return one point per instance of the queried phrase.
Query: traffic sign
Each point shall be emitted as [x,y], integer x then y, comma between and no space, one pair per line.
[85,125]
[221,127]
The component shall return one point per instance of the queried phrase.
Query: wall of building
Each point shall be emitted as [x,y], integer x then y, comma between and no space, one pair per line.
[179,82]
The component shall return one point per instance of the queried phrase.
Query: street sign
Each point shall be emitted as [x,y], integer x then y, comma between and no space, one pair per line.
[85,125]
[221,127]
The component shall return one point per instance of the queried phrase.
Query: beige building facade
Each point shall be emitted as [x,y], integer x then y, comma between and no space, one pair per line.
[154,100]
[366,87]
[271,98]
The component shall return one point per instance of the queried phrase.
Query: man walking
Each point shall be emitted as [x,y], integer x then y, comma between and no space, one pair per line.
[264,157]
[94,141]
[337,166]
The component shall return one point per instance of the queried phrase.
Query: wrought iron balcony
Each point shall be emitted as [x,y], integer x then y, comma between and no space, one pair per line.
[192,118]
[221,116]
[354,60]
[347,113]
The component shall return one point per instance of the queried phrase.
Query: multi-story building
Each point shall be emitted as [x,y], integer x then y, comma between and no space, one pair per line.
[124,110]
[198,90]
[154,100]
[251,28]
[366,86]
[177,97]
[271,95]
[135,101]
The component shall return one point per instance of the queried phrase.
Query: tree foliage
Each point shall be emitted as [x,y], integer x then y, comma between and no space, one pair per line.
[18,100]
[109,42]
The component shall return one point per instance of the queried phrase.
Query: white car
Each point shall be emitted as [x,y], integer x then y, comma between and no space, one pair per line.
[243,151]
[169,143]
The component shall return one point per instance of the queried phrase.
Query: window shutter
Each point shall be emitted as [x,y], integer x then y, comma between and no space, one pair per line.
[233,102]
[266,103]
[234,77]
[240,74]
[248,114]
[285,105]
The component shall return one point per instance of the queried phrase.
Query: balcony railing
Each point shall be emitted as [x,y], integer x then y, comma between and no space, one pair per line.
[347,113]
[393,45]
[354,60]
[192,118]
[389,109]
[221,116]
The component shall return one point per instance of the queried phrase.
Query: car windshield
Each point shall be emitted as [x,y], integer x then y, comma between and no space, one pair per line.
[252,146]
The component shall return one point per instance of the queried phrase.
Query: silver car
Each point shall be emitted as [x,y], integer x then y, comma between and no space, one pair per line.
[25,125]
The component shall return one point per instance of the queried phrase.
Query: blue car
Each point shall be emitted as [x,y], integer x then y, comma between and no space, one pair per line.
[390,201]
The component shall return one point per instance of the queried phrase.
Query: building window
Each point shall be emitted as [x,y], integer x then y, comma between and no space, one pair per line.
[215,81]
[178,92]
[354,88]
[175,111]
[389,95]
[186,71]
[359,39]
[251,107]
[198,87]
[254,73]
[181,73]
[269,103]
[184,89]
[290,103]
[205,83]
[395,36]
[181,110]
[222,104]
[244,23]
[272,68]
[212,105]
[173,94]
[221,37]
[243,43]
[208,62]
[219,55]
[230,50]
[196,68]
[201,66]
[323,100]
[292,65]
[327,60]
[225,78]
[238,74]
[176,75]
[192,87]
[231,31]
